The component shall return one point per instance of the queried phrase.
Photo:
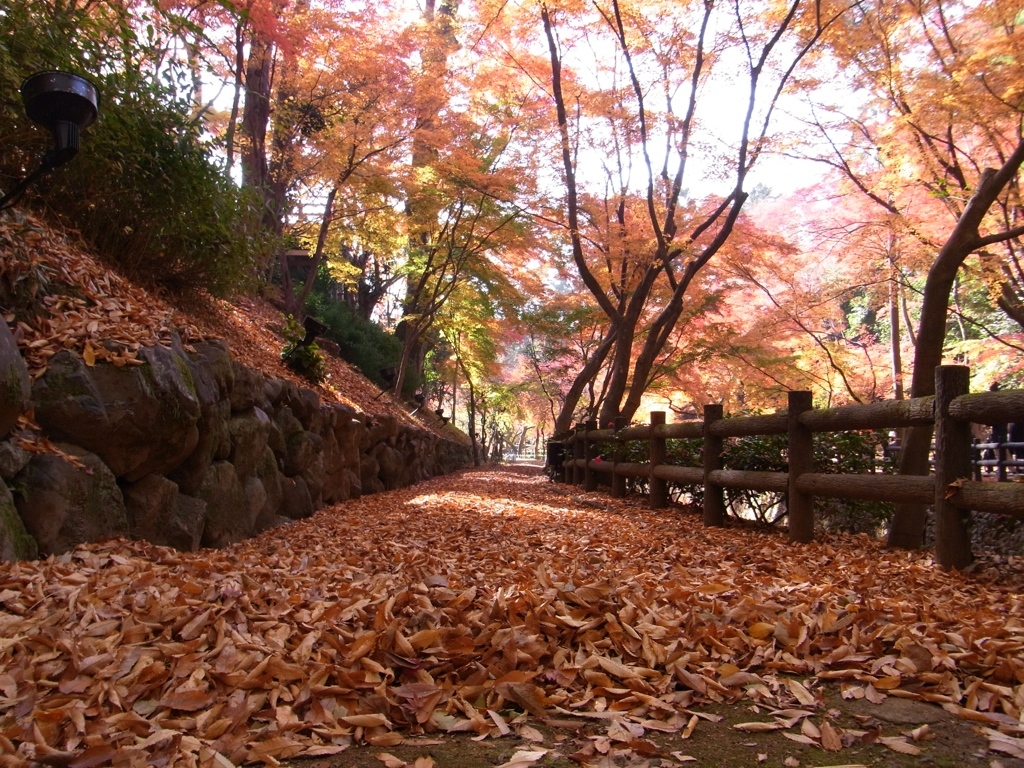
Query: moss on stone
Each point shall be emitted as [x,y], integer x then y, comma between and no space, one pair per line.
[186,374]
[22,542]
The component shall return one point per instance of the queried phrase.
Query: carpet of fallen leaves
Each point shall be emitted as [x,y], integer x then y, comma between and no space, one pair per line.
[63,297]
[458,604]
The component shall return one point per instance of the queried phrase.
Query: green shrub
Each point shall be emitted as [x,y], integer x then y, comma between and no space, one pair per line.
[145,190]
[147,194]
[834,453]
[757,453]
[850,453]
[305,359]
[361,342]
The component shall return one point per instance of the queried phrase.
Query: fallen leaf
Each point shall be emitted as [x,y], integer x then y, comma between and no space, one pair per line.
[758,727]
[188,699]
[800,692]
[524,758]
[499,721]
[830,740]
[366,721]
[801,738]
[899,744]
[529,733]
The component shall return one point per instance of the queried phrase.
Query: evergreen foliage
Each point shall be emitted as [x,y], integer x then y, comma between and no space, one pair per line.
[361,342]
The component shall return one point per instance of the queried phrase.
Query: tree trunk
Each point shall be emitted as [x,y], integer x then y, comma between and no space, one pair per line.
[471,413]
[281,171]
[663,325]
[909,521]
[430,97]
[622,360]
[894,330]
[564,421]
[298,302]
[409,334]
[256,113]
[229,134]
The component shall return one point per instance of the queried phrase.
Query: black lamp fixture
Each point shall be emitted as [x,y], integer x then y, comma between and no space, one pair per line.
[64,104]
[313,328]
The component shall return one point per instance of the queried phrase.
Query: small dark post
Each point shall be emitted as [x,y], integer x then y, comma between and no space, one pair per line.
[578,452]
[659,488]
[801,459]
[952,462]
[589,452]
[714,495]
[618,481]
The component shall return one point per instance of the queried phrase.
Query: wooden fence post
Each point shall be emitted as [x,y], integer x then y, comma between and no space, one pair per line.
[801,460]
[714,495]
[952,463]
[618,481]
[566,469]
[578,452]
[658,487]
[589,453]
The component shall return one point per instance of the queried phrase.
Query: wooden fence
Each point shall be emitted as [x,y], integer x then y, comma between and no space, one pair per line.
[950,490]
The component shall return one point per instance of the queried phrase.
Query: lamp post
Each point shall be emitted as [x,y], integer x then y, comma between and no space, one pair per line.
[64,104]
[419,398]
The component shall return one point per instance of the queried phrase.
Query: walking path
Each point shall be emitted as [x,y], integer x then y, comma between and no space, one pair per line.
[455,604]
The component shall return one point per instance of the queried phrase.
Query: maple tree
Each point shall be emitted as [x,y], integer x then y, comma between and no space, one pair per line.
[942,88]
[815,294]
[355,122]
[682,235]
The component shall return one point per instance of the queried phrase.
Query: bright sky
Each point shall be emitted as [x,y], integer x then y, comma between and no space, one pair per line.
[721,109]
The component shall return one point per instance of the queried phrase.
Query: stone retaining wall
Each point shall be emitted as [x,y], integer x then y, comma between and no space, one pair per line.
[188,449]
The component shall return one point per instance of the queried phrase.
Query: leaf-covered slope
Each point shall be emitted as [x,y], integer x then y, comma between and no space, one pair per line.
[56,295]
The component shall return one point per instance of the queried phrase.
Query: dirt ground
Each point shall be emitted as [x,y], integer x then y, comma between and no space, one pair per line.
[944,741]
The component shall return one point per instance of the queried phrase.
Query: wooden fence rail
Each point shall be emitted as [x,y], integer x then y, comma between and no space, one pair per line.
[949,490]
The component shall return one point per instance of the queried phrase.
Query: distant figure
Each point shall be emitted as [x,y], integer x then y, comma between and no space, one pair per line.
[1017,436]
[999,436]
[999,433]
